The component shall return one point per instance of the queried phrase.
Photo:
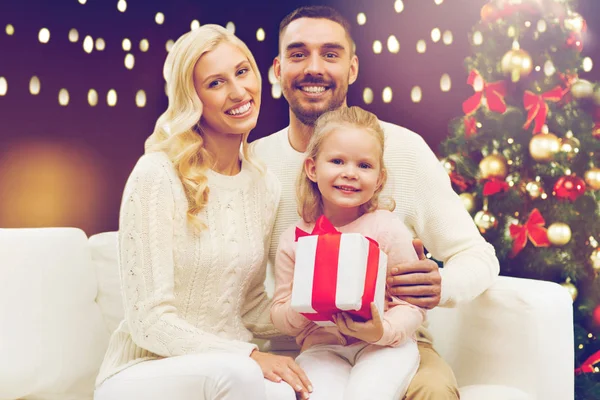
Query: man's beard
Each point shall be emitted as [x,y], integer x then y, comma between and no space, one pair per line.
[308,116]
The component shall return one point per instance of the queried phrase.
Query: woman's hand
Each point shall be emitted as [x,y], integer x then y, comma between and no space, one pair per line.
[277,368]
[370,331]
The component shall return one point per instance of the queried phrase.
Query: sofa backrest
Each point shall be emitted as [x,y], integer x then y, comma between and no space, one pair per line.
[52,335]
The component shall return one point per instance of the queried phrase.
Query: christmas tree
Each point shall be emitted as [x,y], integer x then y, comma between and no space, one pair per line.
[525,157]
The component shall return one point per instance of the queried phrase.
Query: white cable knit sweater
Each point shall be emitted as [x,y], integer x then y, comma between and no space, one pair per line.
[186,292]
[425,202]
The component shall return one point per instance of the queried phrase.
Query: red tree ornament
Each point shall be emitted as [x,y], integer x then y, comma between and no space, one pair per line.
[569,187]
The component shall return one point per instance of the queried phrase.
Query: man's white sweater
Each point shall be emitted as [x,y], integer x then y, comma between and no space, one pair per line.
[425,201]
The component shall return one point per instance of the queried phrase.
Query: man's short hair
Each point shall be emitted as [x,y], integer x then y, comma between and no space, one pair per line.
[324,12]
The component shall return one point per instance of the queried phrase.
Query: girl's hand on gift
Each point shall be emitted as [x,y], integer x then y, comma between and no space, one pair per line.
[277,368]
[370,331]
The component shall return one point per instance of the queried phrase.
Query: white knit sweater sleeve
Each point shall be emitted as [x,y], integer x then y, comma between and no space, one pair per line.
[146,266]
[449,233]
[256,309]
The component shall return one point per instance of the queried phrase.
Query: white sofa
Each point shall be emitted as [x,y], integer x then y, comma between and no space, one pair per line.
[60,299]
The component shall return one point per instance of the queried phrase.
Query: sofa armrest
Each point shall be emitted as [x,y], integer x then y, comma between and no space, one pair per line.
[518,333]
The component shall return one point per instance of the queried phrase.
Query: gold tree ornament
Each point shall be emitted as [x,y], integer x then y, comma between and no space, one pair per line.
[592,178]
[493,166]
[582,89]
[517,64]
[596,96]
[544,146]
[559,233]
[468,201]
[572,289]
[485,221]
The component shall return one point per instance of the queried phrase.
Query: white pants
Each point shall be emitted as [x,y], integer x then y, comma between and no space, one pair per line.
[214,376]
[360,371]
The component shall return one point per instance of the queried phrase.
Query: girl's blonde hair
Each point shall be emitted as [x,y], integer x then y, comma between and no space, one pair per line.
[177,131]
[310,203]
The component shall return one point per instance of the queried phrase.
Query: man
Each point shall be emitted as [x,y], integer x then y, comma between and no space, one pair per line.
[315,65]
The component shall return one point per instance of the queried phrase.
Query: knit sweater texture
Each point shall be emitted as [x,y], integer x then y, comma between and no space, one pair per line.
[425,202]
[187,291]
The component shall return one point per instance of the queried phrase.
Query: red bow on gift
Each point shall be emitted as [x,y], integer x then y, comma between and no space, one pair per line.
[532,229]
[537,107]
[326,272]
[494,95]
[495,185]
[588,365]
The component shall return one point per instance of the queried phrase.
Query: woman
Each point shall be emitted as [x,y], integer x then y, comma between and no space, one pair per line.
[194,226]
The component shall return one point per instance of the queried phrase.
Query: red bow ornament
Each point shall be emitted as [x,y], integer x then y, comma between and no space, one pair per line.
[337,272]
[537,107]
[470,126]
[587,367]
[532,229]
[494,94]
[495,185]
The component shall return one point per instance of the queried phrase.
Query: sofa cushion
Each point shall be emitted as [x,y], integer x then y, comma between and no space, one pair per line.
[104,251]
[52,336]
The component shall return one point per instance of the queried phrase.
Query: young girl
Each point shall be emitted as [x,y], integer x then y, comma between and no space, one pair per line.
[342,177]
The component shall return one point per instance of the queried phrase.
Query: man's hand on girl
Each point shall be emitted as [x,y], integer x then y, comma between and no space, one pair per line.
[370,331]
[419,282]
[277,368]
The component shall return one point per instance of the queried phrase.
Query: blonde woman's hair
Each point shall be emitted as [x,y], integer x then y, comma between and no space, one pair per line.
[310,202]
[177,131]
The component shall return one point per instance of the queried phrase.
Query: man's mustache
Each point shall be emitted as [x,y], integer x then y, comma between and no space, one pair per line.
[317,80]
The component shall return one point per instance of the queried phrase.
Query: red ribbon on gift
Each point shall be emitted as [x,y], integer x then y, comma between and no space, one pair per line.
[587,366]
[532,229]
[494,185]
[494,95]
[470,126]
[326,269]
[538,108]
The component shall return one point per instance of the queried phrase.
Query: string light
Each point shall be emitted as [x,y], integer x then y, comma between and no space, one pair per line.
[10,30]
[377,47]
[88,44]
[445,83]
[393,44]
[129,61]
[399,6]
[230,27]
[100,44]
[436,35]
[421,46]
[361,18]
[92,97]
[34,85]
[126,44]
[416,95]
[44,35]
[387,95]
[140,98]
[260,34]
[73,35]
[447,38]
[144,45]
[3,86]
[194,25]
[111,98]
[368,95]
[159,18]
[122,6]
[276,90]
[63,97]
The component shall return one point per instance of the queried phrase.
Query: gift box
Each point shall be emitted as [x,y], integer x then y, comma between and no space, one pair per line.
[337,272]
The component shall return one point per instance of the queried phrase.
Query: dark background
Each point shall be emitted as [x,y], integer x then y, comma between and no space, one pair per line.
[67,165]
